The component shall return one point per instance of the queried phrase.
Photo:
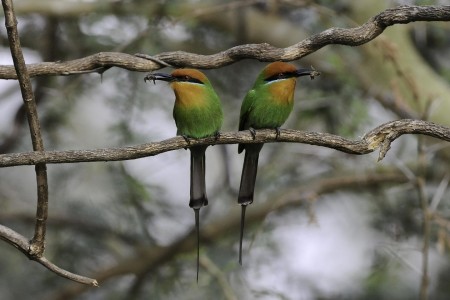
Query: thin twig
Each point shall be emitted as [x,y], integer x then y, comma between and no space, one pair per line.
[37,244]
[263,52]
[420,174]
[219,275]
[20,242]
[423,201]
[439,192]
[403,260]
[153,59]
[424,205]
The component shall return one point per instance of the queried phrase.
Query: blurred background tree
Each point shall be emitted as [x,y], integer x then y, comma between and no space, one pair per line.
[345,227]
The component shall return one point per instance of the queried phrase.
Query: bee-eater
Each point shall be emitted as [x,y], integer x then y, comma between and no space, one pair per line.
[198,114]
[267,105]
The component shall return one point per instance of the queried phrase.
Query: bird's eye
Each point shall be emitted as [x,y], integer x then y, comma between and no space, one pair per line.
[187,78]
[281,75]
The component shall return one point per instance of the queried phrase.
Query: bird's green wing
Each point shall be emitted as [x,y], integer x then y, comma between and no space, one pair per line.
[246,108]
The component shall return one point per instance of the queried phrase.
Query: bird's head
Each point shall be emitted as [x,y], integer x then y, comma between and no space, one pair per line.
[189,85]
[278,71]
[180,77]
[279,79]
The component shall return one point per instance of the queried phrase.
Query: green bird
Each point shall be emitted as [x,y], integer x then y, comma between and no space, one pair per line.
[266,106]
[198,114]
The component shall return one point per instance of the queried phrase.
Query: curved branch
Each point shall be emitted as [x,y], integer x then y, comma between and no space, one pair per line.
[338,36]
[20,242]
[100,62]
[380,137]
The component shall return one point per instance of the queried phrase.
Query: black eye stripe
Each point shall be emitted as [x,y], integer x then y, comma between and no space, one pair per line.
[187,78]
[280,76]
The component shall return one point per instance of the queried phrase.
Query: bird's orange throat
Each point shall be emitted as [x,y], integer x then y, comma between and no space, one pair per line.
[188,94]
[283,90]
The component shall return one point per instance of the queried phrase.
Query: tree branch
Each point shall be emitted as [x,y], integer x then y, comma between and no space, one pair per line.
[100,62]
[380,137]
[148,258]
[20,242]
[220,277]
[37,244]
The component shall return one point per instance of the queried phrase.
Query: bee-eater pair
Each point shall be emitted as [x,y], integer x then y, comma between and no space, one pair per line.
[198,114]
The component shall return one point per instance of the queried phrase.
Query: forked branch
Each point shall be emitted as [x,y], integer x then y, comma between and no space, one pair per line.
[380,137]
[37,244]
[20,242]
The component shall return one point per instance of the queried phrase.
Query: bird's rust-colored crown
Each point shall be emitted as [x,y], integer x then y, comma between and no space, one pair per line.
[278,67]
[193,73]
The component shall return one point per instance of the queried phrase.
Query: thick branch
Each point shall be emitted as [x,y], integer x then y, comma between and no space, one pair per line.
[38,242]
[380,137]
[20,242]
[263,52]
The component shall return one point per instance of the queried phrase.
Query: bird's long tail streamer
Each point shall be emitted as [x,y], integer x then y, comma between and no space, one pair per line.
[247,187]
[198,190]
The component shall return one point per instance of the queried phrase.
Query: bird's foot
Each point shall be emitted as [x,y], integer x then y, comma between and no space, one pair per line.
[278,132]
[187,140]
[253,132]
[216,136]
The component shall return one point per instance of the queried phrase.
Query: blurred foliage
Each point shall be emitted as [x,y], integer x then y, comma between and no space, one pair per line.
[103,213]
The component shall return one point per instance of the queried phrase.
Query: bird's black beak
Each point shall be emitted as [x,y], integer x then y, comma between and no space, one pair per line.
[307,72]
[159,76]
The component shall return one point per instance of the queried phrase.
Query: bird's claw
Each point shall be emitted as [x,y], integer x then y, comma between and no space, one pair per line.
[216,136]
[187,140]
[253,132]
[278,132]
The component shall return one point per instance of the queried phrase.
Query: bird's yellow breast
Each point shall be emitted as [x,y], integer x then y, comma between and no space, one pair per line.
[188,94]
[283,90]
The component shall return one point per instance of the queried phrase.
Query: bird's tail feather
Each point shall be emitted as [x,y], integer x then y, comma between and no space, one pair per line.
[248,177]
[247,188]
[198,189]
